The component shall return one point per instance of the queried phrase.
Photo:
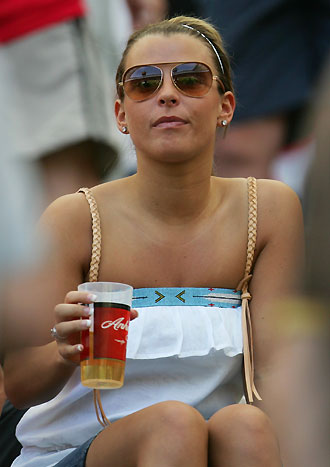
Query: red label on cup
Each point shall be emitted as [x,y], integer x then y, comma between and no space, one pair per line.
[111,322]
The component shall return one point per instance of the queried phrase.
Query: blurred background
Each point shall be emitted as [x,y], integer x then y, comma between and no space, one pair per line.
[58,60]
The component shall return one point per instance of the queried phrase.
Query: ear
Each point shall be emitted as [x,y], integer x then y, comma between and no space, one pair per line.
[226,107]
[120,114]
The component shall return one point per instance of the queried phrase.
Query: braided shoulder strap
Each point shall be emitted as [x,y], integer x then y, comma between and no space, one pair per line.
[96,232]
[246,296]
[93,276]
[252,223]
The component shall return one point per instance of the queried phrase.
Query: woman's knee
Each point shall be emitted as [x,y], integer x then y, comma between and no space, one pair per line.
[167,430]
[242,427]
[175,430]
[179,420]
[240,417]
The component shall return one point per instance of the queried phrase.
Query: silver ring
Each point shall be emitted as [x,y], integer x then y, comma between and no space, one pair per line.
[55,334]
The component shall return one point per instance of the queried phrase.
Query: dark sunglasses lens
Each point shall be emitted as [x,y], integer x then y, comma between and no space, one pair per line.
[193,79]
[141,82]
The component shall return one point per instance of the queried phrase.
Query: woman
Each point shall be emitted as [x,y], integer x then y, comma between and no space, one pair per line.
[176,230]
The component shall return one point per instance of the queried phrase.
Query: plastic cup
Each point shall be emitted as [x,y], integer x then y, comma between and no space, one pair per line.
[102,361]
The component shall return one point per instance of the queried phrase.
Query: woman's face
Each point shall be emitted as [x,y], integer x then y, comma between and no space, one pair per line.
[192,121]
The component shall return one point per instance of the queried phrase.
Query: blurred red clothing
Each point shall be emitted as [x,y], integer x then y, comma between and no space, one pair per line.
[21,17]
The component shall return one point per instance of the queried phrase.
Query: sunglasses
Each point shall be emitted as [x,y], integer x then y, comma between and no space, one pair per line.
[193,79]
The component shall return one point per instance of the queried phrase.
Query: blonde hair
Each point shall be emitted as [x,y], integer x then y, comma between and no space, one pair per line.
[178,25]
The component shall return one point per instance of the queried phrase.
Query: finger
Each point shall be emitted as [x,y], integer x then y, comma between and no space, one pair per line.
[71,352]
[66,312]
[134,314]
[65,329]
[75,296]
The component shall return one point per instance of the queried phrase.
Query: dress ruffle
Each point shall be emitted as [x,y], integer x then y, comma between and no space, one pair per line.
[184,332]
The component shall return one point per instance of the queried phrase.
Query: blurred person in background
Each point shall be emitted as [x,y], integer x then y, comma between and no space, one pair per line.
[146,12]
[299,398]
[19,257]
[277,50]
[184,7]
[53,121]
[58,102]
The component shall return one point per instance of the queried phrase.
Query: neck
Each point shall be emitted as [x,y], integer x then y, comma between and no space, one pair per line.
[176,193]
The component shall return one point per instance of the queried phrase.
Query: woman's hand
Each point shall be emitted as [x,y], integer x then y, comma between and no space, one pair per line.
[69,325]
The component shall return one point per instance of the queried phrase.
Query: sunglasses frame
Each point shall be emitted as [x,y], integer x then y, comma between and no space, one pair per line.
[121,84]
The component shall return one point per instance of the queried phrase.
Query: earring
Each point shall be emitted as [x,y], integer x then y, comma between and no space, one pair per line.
[124,129]
[224,123]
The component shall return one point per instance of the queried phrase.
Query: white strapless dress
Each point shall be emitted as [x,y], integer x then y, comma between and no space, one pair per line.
[186,345]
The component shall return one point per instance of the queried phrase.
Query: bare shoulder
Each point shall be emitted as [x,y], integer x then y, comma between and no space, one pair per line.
[69,216]
[274,198]
[277,198]
[279,208]
[67,212]
[72,213]
[66,224]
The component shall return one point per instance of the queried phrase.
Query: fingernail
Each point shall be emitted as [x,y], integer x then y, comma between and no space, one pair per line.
[87,311]
[80,347]
[86,323]
[92,297]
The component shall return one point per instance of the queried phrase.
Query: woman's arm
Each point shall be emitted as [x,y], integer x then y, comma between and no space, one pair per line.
[276,272]
[36,374]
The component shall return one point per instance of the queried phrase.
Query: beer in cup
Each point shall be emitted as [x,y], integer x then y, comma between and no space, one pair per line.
[102,361]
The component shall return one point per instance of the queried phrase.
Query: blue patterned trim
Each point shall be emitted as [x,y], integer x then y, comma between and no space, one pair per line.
[186,296]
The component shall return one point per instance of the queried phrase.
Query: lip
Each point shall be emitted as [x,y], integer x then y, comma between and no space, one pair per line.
[169,122]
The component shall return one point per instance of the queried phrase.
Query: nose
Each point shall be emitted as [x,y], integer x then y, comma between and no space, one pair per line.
[168,93]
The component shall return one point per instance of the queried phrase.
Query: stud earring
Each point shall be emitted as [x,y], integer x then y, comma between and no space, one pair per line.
[124,129]
[224,123]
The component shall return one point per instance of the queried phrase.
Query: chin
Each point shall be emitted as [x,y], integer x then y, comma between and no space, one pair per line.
[175,156]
